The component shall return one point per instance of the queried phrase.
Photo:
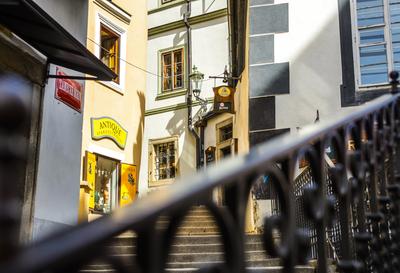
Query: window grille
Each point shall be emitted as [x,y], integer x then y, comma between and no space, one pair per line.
[164,160]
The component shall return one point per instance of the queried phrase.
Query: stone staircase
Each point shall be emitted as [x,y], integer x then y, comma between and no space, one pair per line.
[196,245]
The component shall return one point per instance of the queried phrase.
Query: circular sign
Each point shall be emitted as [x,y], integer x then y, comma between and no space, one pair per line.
[224,92]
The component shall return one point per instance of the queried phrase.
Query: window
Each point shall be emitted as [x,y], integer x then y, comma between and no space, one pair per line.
[225,132]
[163,161]
[226,144]
[166,1]
[378,40]
[172,70]
[110,49]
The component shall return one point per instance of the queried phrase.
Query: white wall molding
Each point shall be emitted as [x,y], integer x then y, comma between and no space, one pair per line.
[114,10]
[106,152]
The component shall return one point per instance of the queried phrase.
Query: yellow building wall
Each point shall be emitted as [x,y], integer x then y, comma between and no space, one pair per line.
[126,104]
[241,122]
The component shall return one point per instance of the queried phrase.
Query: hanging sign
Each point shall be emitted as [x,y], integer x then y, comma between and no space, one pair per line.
[128,187]
[90,175]
[106,127]
[69,91]
[224,99]
[210,154]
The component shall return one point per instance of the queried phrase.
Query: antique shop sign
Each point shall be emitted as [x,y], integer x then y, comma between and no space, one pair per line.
[106,127]
[69,91]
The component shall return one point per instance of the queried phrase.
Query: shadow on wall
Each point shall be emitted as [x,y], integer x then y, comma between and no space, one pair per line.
[205,6]
[137,146]
[177,126]
[320,89]
[314,81]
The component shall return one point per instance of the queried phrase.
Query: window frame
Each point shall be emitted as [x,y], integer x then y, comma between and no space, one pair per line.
[122,33]
[117,45]
[229,142]
[166,2]
[356,44]
[178,91]
[152,181]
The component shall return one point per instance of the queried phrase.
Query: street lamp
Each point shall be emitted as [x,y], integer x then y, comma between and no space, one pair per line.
[196,78]
[196,81]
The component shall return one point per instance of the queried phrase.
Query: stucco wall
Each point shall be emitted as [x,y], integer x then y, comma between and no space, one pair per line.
[315,63]
[210,53]
[58,171]
[124,103]
[173,123]
[175,13]
[72,15]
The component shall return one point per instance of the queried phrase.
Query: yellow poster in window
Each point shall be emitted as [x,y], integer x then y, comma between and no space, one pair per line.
[90,175]
[128,184]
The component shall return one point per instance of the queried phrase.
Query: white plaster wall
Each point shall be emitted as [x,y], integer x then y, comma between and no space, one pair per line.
[58,171]
[210,133]
[210,47]
[155,44]
[173,14]
[166,16]
[57,185]
[173,123]
[210,54]
[152,4]
[72,15]
[312,47]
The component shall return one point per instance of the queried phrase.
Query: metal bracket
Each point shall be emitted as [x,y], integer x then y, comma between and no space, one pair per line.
[50,76]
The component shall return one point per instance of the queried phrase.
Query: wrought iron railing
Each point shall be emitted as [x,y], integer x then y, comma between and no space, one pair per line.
[365,199]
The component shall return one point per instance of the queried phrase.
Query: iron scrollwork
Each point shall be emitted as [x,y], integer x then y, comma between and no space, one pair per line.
[344,213]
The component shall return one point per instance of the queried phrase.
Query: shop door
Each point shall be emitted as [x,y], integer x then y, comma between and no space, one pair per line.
[226,151]
[106,185]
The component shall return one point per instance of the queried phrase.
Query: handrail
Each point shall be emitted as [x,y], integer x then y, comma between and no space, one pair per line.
[375,131]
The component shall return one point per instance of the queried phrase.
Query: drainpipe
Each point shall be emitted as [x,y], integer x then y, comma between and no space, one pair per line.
[192,130]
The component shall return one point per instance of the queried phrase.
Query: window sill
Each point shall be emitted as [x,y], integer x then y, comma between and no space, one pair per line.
[160,183]
[172,94]
[112,85]
[166,6]
[371,87]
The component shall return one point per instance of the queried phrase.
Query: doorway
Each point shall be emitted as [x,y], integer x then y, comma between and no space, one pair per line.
[226,147]
[106,185]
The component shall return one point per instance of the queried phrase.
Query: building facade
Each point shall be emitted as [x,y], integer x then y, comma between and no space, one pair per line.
[48,192]
[302,62]
[114,111]
[181,35]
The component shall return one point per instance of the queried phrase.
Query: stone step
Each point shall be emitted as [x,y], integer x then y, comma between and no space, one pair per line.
[199,218]
[191,260]
[182,248]
[197,230]
[253,263]
[186,224]
[211,256]
[270,269]
[128,239]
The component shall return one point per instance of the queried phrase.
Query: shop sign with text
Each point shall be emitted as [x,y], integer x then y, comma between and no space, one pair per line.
[69,91]
[128,188]
[106,127]
[90,175]
[224,99]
